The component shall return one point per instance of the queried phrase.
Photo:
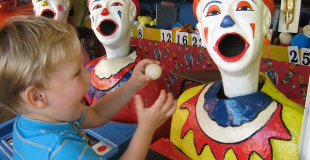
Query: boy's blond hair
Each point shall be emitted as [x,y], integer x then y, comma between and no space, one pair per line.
[30,48]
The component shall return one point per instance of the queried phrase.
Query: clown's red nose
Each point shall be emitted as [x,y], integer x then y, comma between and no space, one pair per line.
[105,12]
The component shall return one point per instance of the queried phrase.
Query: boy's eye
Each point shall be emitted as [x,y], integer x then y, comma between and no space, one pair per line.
[244,6]
[97,6]
[116,4]
[213,10]
[78,72]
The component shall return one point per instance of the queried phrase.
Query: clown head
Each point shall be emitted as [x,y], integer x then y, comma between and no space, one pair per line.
[54,9]
[112,20]
[233,30]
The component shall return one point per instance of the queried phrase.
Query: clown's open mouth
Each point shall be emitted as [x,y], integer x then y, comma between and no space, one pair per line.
[231,47]
[107,27]
[48,13]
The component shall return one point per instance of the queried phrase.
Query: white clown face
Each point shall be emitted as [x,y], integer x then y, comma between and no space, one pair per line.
[112,20]
[54,9]
[233,31]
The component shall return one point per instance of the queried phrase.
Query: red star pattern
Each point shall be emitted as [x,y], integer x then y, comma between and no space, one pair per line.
[259,142]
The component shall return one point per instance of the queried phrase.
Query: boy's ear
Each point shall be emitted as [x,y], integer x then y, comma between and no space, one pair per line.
[34,97]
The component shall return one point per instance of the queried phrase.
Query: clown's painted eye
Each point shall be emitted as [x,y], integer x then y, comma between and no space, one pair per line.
[116,4]
[213,10]
[97,6]
[244,6]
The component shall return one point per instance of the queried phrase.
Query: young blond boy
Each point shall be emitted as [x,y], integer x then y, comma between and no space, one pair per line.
[43,81]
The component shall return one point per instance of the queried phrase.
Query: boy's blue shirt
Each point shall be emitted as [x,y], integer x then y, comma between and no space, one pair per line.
[38,140]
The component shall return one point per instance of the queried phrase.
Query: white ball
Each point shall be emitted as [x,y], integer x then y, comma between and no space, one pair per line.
[153,71]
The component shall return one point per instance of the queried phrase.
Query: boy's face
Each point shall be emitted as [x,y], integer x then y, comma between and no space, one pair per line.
[111,20]
[232,31]
[54,9]
[66,89]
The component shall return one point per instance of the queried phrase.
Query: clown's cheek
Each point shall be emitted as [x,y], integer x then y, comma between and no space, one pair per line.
[60,8]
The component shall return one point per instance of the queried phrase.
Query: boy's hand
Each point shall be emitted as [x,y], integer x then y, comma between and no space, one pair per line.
[153,117]
[138,77]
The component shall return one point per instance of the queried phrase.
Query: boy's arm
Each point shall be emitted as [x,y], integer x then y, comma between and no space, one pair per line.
[108,106]
[139,145]
[149,120]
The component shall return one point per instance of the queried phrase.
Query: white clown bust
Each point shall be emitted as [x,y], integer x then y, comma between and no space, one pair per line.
[54,9]
[243,116]
[57,10]
[112,22]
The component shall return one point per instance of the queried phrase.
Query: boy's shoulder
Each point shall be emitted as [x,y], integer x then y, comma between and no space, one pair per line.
[34,139]
[35,129]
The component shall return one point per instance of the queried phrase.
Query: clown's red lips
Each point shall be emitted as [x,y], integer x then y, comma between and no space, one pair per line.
[48,13]
[107,27]
[231,47]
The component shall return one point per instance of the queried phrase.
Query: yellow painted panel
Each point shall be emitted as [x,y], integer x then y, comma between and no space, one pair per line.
[135,31]
[154,34]
[275,52]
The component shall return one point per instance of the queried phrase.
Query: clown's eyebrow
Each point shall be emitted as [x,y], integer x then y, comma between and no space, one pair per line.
[210,3]
[95,1]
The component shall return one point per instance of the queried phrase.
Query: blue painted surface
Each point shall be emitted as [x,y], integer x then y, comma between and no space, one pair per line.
[6,129]
[234,111]
[115,134]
